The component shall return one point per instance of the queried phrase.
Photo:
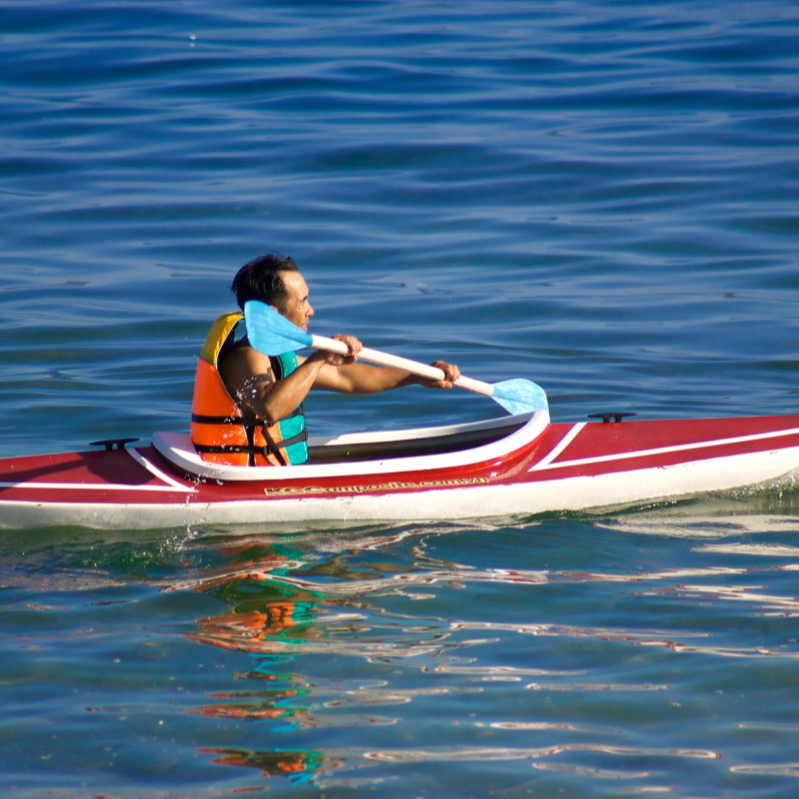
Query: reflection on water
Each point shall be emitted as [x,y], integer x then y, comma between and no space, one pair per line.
[643,649]
[432,637]
[297,766]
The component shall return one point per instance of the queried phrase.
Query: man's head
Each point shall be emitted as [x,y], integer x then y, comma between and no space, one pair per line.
[276,281]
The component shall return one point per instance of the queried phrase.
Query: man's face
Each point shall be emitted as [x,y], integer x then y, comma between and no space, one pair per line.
[297,308]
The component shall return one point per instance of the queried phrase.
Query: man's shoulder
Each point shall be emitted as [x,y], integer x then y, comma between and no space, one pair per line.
[242,350]
[243,364]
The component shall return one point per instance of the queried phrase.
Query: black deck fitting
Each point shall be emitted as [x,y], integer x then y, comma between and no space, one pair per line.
[610,417]
[112,443]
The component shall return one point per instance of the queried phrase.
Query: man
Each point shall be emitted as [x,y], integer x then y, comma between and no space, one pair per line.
[248,406]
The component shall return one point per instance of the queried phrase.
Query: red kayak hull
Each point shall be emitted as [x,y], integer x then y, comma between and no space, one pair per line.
[536,468]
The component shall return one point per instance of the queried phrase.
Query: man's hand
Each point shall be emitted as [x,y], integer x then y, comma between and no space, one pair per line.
[334,359]
[451,374]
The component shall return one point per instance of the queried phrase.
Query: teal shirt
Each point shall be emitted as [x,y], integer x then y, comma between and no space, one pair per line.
[292,428]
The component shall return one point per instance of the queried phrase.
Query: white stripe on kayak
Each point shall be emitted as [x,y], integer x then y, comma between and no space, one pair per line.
[161,475]
[564,442]
[97,487]
[644,453]
[171,484]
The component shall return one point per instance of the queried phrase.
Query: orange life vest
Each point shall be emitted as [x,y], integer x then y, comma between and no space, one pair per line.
[222,431]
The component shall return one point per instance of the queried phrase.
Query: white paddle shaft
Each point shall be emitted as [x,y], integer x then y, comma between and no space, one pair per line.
[414,367]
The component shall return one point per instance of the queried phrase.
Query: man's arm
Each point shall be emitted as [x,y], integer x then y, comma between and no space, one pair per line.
[361,378]
[347,377]
[249,377]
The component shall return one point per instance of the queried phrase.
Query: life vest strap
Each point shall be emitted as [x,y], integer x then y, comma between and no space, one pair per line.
[244,421]
[217,449]
[271,447]
[198,418]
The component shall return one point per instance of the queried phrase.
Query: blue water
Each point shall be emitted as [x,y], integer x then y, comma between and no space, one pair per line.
[597,196]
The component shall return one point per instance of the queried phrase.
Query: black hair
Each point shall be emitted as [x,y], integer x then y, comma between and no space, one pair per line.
[260,279]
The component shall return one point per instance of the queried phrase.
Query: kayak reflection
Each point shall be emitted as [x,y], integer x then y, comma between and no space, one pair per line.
[267,615]
[298,766]
[286,603]
[264,607]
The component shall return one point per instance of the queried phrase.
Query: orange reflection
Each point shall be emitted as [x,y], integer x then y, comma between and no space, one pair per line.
[297,765]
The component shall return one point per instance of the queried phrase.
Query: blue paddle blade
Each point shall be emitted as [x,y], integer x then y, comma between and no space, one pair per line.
[520,396]
[271,333]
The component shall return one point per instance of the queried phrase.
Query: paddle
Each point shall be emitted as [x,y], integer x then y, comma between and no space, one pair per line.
[271,333]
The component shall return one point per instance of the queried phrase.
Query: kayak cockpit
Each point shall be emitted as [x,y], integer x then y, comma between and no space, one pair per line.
[418,449]
[413,443]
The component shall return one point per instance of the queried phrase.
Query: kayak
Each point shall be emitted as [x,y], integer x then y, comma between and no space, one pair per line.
[515,465]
